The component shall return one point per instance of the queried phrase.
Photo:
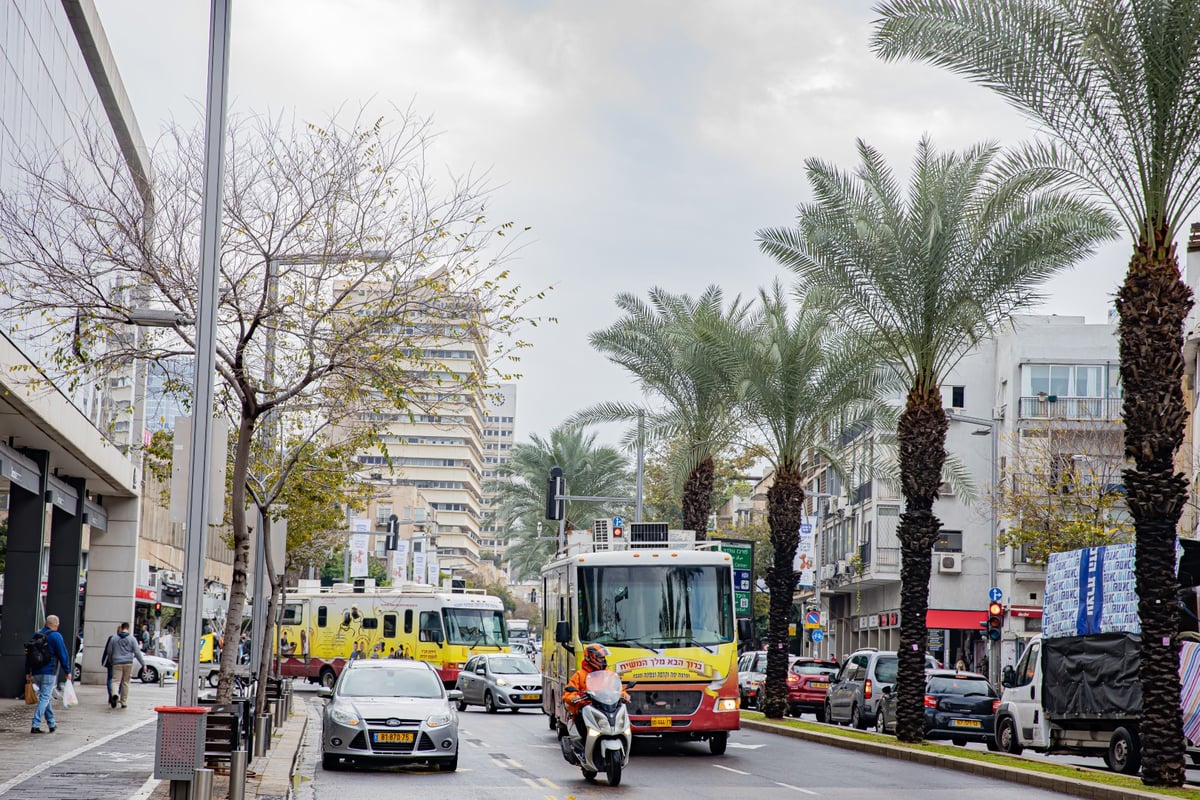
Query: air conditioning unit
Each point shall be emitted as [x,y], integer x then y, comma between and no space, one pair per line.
[949,562]
[827,571]
[843,567]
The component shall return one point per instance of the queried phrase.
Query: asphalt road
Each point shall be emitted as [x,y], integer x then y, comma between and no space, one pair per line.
[508,756]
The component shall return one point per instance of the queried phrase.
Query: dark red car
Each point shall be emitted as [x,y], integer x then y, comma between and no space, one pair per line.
[807,681]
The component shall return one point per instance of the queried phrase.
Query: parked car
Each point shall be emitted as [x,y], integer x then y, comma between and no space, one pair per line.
[808,682]
[155,666]
[389,710]
[854,695]
[752,676]
[500,680]
[959,706]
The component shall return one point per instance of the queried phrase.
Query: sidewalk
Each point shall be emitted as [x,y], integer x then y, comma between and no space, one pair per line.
[101,753]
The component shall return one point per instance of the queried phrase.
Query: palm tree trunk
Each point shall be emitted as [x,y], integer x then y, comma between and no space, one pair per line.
[1153,303]
[785,511]
[922,438]
[697,498]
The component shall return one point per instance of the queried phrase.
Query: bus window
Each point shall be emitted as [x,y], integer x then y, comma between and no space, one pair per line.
[389,626]
[431,627]
[369,623]
[322,616]
[291,614]
[408,619]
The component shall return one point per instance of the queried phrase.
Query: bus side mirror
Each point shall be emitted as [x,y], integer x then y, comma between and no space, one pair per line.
[562,632]
[745,629]
[437,638]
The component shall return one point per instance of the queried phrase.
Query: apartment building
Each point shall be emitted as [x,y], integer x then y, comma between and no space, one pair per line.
[498,439]
[1042,380]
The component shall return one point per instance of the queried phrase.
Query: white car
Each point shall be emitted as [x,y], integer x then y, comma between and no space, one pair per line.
[155,666]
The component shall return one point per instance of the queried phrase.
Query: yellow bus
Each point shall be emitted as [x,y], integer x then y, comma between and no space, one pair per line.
[322,628]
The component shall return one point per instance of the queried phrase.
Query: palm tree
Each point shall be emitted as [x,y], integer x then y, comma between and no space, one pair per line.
[1116,83]
[692,393]
[520,489]
[923,277]
[802,383]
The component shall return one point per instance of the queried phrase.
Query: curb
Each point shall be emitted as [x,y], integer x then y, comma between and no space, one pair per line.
[278,776]
[1040,780]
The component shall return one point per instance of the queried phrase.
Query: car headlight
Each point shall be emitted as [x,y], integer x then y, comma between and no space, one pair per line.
[439,720]
[501,682]
[343,717]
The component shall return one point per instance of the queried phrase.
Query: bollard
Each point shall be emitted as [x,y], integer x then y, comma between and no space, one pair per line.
[262,735]
[280,709]
[237,775]
[202,785]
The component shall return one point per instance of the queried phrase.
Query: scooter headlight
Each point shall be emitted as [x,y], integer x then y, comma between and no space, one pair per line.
[596,722]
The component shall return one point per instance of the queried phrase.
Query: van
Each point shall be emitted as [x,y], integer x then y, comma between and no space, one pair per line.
[855,694]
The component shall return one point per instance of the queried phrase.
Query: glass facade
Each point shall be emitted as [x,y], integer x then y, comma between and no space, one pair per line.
[48,99]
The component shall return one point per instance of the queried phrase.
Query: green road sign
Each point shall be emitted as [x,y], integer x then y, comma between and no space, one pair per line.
[741,552]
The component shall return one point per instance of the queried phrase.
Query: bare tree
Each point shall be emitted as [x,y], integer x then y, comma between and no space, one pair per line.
[345,269]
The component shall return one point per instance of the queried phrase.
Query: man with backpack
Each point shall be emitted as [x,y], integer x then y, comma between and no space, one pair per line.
[45,655]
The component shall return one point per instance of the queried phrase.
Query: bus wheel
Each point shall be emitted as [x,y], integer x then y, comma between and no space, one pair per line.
[328,679]
[717,743]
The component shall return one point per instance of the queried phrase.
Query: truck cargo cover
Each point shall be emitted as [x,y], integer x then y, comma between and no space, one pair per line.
[1091,676]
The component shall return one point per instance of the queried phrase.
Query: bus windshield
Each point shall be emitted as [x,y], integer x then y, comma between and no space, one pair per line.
[475,626]
[656,606]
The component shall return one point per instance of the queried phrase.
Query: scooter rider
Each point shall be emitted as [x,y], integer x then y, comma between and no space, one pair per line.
[595,657]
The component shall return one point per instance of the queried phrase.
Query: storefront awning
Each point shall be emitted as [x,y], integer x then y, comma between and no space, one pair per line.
[955,620]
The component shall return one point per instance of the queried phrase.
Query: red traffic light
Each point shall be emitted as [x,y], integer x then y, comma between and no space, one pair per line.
[995,620]
[995,609]
[618,533]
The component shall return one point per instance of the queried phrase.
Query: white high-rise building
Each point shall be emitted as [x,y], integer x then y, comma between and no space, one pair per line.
[498,439]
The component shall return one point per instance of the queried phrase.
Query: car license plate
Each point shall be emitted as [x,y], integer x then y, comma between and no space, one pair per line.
[389,736]
[966,723]
[531,697]
[819,684]
[660,722]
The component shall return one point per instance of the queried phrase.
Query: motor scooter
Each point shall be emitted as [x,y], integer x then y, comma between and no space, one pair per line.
[609,738]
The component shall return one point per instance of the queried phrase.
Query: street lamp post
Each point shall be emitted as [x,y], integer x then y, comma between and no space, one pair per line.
[822,499]
[993,432]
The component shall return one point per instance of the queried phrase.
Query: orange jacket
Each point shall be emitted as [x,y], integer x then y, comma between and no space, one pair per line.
[574,697]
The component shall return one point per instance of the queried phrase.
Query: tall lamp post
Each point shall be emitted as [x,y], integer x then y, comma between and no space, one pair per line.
[992,431]
[822,499]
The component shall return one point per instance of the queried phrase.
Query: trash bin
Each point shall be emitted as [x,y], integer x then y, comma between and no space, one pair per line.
[180,749]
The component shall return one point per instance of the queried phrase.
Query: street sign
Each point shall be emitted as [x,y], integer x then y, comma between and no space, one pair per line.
[812,619]
[618,522]
[741,554]
[818,635]
[791,629]
[995,595]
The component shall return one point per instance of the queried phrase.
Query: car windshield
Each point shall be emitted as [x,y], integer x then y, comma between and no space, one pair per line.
[475,626]
[389,683]
[512,666]
[960,686]
[656,606]
[814,669]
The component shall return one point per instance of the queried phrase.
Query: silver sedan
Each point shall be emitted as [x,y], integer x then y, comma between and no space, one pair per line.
[500,680]
[389,711]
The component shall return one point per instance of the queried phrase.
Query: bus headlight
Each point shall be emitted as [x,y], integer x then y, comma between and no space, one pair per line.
[726,704]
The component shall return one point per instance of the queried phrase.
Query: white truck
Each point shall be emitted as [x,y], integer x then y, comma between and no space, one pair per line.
[1080,693]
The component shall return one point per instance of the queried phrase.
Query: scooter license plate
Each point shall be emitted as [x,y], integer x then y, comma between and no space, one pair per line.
[660,722]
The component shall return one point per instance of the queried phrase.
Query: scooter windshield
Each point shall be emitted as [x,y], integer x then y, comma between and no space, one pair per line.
[605,686]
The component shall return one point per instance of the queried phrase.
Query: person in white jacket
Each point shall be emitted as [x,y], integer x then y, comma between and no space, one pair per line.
[121,651]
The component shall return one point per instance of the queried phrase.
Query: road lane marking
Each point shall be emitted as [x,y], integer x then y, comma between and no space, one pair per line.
[731,769]
[797,788]
[741,746]
[549,784]
[45,765]
[147,789]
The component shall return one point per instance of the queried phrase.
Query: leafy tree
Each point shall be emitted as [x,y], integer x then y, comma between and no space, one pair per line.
[520,490]
[1115,83]
[802,381]
[663,480]
[341,262]
[691,394]
[922,276]
[1061,490]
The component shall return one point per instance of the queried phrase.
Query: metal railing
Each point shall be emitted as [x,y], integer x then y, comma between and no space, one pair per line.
[1107,409]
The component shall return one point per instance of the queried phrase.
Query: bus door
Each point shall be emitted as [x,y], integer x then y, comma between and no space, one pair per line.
[293,637]
[430,638]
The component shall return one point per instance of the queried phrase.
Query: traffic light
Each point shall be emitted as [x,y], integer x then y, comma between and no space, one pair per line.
[995,621]
[158,609]
[554,487]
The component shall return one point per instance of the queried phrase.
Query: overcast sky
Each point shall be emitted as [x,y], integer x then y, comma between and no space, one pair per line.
[644,142]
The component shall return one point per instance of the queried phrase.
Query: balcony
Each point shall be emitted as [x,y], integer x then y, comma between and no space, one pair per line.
[1050,406]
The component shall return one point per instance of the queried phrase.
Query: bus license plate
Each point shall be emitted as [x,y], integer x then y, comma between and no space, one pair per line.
[388,736]
[531,697]
[660,722]
[966,723]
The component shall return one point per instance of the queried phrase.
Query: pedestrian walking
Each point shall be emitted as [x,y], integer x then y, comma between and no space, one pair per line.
[122,650]
[45,655]
[144,638]
[107,664]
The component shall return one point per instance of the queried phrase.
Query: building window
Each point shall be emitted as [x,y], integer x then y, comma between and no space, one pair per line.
[958,397]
